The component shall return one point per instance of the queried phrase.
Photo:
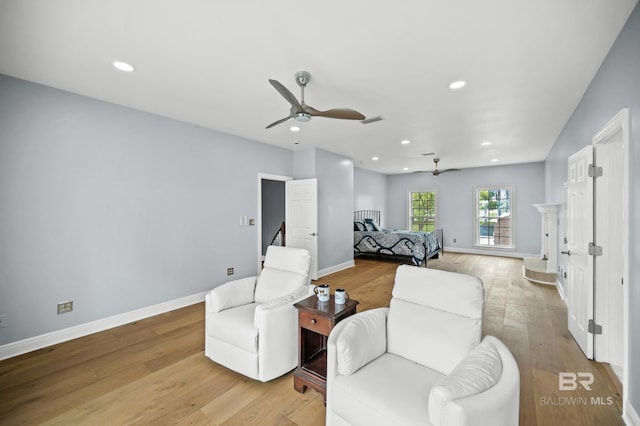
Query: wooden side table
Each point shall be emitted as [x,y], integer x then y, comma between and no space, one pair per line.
[315,321]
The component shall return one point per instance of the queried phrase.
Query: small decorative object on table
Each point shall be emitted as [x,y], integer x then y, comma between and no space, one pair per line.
[323,291]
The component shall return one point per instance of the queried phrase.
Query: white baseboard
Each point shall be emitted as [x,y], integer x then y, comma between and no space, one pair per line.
[560,289]
[38,342]
[501,253]
[336,268]
[629,415]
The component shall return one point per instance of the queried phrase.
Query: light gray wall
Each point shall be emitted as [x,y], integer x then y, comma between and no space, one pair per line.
[335,209]
[370,192]
[304,163]
[335,202]
[116,209]
[615,86]
[455,204]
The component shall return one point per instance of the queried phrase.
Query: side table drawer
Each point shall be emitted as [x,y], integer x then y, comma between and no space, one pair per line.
[318,323]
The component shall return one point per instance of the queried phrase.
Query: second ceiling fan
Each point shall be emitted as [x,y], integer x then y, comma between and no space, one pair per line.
[437,172]
[303,112]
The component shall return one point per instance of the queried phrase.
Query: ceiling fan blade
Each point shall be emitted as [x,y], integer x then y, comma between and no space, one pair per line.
[342,113]
[286,93]
[449,170]
[282,120]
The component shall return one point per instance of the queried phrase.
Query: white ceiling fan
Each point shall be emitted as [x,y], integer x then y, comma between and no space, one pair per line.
[303,112]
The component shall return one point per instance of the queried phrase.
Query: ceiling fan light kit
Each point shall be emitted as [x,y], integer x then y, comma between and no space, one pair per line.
[302,112]
[302,117]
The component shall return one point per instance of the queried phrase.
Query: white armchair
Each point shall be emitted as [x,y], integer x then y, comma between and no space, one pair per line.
[421,361]
[251,325]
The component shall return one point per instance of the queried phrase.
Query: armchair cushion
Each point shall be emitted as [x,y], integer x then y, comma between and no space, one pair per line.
[433,338]
[296,260]
[453,292]
[480,370]
[363,339]
[428,308]
[274,283]
[388,391]
[236,327]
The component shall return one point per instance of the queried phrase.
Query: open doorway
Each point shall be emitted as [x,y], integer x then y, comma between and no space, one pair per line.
[273,214]
[271,210]
[300,204]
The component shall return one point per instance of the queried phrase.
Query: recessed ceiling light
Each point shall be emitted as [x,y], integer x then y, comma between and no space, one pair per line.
[494,160]
[375,158]
[485,143]
[457,84]
[123,66]
[405,142]
[405,168]
[294,128]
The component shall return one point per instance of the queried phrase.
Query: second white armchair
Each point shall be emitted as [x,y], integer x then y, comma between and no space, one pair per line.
[421,361]
[251,326]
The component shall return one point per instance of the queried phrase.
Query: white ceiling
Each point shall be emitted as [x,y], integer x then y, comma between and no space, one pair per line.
[527,63]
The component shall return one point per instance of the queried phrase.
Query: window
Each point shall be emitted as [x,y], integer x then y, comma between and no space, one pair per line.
[494,218]
[422,211]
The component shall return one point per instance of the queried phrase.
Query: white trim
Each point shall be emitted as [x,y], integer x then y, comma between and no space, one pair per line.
[38,342]
[336,268]
[629,415]
[524,275]
[561,291]
[488,252]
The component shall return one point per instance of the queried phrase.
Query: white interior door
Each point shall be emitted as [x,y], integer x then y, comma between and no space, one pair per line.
[301,213]
[579,234]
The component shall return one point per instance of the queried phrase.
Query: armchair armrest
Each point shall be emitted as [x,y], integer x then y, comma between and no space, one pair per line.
[498,405]
[356,341]
[277,324]
[264,309]
[230,294]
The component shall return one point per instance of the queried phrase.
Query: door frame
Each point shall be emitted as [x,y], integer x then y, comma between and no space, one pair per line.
[261,177]
[619,124]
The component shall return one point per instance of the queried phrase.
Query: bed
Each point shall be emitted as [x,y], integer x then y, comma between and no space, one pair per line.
[369,237]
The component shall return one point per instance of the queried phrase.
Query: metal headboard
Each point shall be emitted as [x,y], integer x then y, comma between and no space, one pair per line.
[361,215]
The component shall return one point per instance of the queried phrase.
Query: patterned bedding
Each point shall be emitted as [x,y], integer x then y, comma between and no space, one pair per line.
[418,245]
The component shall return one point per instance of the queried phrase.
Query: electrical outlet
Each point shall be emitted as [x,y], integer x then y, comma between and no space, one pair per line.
[3,321]
[64,307]
[230,271]
[454,240]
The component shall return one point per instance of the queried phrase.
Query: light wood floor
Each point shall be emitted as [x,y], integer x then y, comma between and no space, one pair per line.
[154,371]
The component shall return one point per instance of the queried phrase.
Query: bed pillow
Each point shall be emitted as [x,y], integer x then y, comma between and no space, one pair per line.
[359,226]
[370,225]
